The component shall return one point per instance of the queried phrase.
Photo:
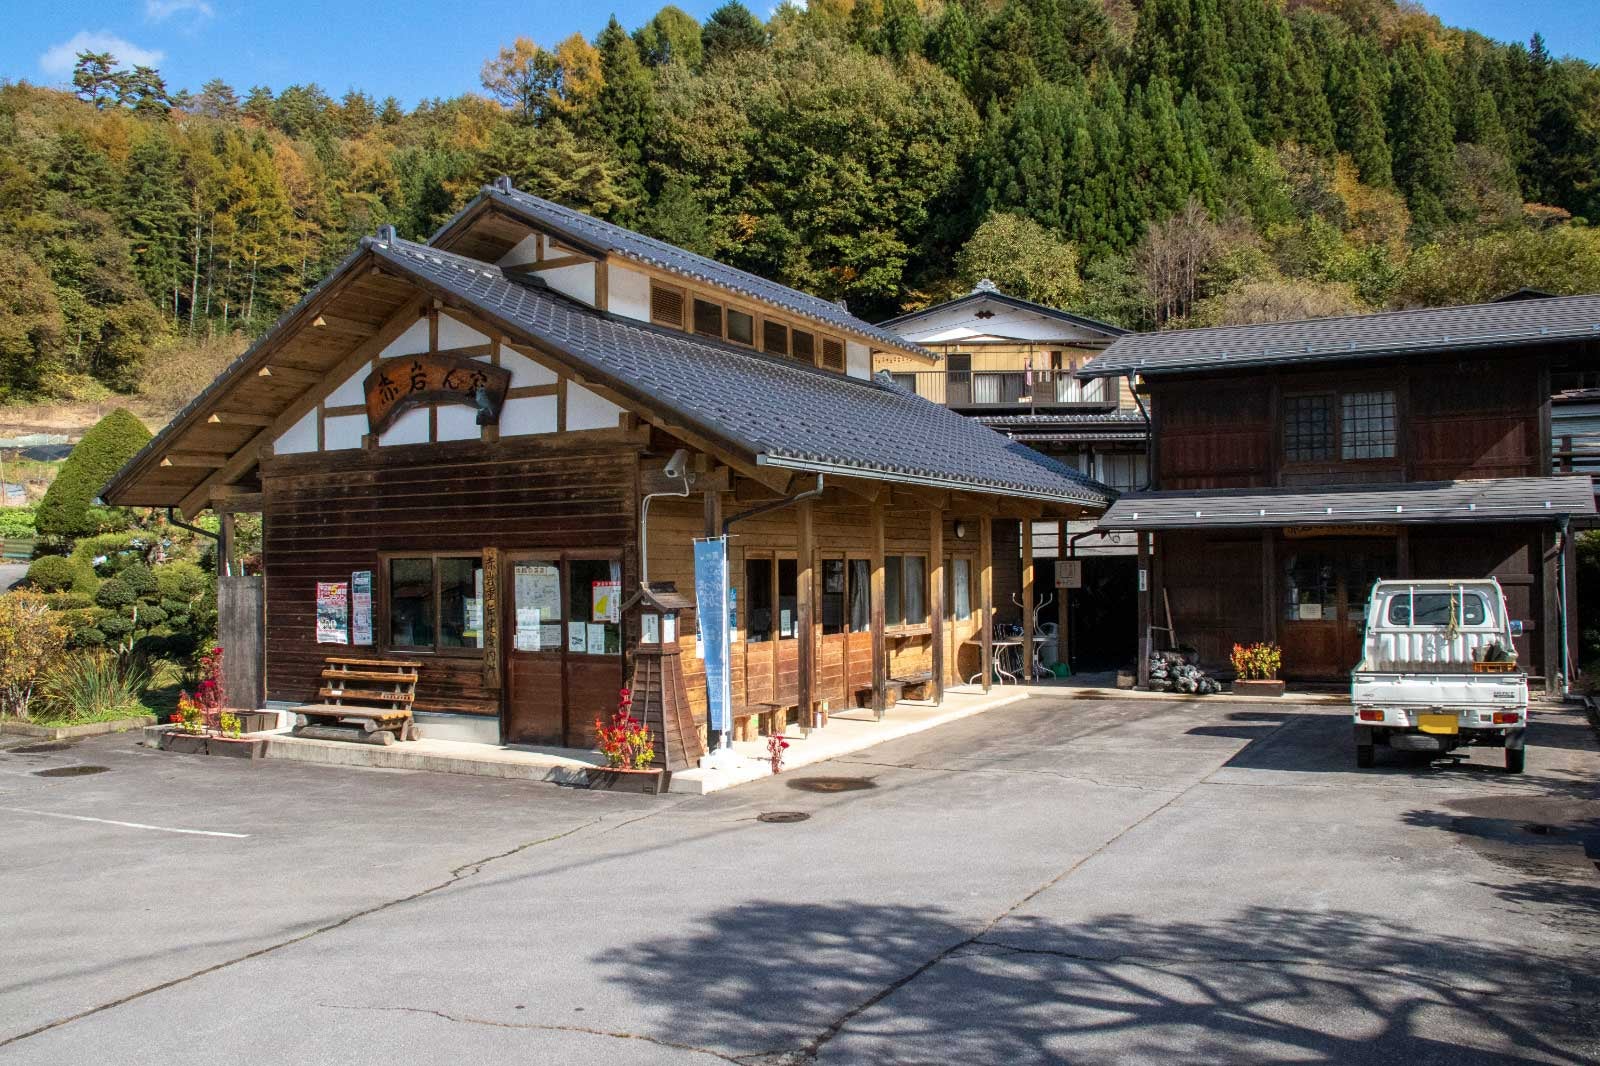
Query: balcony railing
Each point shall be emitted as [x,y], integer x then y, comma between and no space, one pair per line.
[1006,388]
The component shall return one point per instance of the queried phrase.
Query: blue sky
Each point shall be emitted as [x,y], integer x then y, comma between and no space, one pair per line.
[415,49]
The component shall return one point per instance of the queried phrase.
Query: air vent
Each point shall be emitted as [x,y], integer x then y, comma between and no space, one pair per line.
[666,306]
[832,353]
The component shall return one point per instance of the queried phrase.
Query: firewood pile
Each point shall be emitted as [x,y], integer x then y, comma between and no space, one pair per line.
[1170,671]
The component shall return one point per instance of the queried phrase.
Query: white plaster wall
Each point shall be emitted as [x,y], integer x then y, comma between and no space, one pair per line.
[576,281]
[585,410]
[349,393]
[858,360]
[453,334]
[343,431]
[628,293]
[300,437]
[961,323]
[410,342]
[409,428]
[525,371]
[528,415]
[458,423]
[526,251]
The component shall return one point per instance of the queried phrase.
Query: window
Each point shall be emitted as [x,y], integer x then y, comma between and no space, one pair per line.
[905,381]
[961,588]
[805,346]
[1366,425]
[1307,428]
[1312,588]
[775,338]
[894,611]
[741,327]
[832,353]
[833,596]
[666,306]
[1435,609]
[436,602]
[758,600]
[860,596]
[594,587]
[707,318]
[788,604]
[1123,471]
[905,591]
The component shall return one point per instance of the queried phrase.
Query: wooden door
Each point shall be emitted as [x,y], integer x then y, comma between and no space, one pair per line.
[592,674]
[832,618]
[958,381]
[534,650]
[1325,595]
[757,624]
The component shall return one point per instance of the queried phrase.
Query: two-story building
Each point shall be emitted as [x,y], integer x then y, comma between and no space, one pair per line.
[468,453]
[1294,463]
[1011,364]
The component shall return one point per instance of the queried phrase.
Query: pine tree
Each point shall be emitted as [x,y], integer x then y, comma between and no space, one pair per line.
[154,213]
[217,100]
[94,78]
[953,43]
[1358,89]
[622,115]
[1419,118]
[731,29]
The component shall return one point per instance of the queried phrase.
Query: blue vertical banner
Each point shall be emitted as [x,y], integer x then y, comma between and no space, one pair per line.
[711,603]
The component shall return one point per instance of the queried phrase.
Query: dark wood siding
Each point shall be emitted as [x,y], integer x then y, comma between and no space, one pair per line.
[329,515]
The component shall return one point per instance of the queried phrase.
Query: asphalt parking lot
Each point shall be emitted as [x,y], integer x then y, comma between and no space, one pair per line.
[1054,881]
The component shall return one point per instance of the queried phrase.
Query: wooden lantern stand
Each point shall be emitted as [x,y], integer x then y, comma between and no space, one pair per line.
[660,697]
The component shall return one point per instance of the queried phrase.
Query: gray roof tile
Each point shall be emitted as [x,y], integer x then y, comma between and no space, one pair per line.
[781,412]
[1491,325]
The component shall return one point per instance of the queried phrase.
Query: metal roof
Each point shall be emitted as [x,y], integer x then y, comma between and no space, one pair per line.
[1488,500]
[600,237]
[1519,323]
[780,412]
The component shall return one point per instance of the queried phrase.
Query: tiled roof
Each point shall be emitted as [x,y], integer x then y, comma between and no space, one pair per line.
[781,413]
[1487,500]
[1474,326]
[1121,417]
[588,232]
[982,293]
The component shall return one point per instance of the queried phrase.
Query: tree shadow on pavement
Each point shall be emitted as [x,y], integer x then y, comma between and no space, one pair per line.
[846,982]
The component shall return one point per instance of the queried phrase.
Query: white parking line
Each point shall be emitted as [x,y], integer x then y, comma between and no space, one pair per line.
[128,825]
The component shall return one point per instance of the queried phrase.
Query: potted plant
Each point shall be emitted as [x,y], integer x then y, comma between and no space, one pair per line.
[629,752]
[204,726]
[1256,669]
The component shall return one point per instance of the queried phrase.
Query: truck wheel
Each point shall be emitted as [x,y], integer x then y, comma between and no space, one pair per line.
[1516,758]
[1365,756]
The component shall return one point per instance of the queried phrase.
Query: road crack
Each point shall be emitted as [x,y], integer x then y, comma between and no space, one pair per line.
[457,875]
[550,1027]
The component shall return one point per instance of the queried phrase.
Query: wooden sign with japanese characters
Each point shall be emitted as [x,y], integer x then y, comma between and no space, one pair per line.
[399,384]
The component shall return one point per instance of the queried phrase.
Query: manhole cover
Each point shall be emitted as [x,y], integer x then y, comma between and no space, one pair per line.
[40,749]
[70,771]
[783,816]
[831,784]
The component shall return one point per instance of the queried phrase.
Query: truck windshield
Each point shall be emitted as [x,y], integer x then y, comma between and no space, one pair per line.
[1433,609]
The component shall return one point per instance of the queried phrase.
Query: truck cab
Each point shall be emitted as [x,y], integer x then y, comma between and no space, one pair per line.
[1439,672]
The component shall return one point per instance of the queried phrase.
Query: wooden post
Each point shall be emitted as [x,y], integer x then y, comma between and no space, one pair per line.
[936,600]
[1145,647]
[880,651]
[1063,648]
[805,627]
[225,544]
[1269,585]
[1025,531]
[1402,552]
[986,596]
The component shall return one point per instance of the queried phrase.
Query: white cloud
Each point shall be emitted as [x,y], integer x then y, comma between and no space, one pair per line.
[160,10]
[60,59]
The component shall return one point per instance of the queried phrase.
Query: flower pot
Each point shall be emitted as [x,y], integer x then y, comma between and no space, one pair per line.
[251,748]
[645,782]
[184,743]
[1273,687]
[257,721]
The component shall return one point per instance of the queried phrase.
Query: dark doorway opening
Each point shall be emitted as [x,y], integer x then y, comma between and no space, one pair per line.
[1103,615]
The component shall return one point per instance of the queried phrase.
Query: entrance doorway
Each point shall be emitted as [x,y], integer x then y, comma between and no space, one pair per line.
[1325,587]
[1103,615]
[563,656]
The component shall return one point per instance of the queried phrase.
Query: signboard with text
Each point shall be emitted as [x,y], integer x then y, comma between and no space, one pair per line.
[399,384]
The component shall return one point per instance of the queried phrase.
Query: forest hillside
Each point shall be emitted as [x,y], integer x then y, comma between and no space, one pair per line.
[1154,164]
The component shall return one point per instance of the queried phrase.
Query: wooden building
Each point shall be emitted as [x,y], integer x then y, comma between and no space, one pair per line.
[510,428]
[1295,463]
[1011,364]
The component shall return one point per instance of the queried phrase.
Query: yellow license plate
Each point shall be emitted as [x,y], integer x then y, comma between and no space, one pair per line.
[1438,723]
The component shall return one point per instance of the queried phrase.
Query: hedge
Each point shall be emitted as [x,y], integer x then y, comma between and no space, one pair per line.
[66,508]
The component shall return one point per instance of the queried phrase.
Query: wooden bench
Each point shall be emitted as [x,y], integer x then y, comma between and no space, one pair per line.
[373,694]
[756,720]
[910,686]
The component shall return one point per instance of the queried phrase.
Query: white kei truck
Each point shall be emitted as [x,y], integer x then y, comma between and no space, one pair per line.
[1439,671]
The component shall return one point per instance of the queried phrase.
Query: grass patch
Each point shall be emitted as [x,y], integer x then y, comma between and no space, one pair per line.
[161,702]
[110,714]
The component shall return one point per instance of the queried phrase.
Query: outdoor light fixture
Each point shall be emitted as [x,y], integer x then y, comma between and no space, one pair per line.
[961,530]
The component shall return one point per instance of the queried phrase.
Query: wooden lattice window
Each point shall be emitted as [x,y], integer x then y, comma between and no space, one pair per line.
[741,327]
[666,306]
[805,346]
[707,318]
[774,337]
[833,353]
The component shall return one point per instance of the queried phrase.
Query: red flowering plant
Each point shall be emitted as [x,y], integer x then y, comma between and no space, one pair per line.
[626,742]
[776,746]
[203,709]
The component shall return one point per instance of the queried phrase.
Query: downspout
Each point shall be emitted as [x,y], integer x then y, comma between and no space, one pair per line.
[1563,528]
[173,519]
[773,506]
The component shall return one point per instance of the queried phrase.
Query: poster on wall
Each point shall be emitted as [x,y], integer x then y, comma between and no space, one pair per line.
[596,632]
[577,638]
[361,607]
[528,630]
[333,612]
[607,601]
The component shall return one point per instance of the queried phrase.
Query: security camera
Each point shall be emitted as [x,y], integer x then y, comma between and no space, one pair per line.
[678,465]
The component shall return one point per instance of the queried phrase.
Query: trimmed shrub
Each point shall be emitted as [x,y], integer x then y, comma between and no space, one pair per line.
[65,509]
[114,594]
[69,601]
[52,573]
[138,578]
